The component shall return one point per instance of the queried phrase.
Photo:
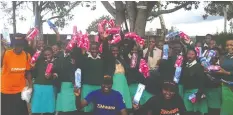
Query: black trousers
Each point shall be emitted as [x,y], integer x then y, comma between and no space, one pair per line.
[12,104]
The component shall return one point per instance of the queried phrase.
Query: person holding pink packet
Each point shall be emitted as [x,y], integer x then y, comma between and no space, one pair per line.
[43,97]
[35,57]
[33,34]
[213,85]
[134,77]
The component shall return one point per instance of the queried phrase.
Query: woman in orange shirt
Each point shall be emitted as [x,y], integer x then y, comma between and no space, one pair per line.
[15,71]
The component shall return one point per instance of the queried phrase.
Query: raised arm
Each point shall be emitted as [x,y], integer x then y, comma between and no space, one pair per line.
[57,34]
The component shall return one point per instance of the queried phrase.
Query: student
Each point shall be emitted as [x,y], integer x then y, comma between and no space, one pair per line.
[43,97]
[192,79]
[160,44]
[117,69]
[92,66]
[106,100]
[213,88]
[57,49]
[65,69]
[168,102]
[166,67]
[134,77]
[15,71]
[226,72]
[152,54]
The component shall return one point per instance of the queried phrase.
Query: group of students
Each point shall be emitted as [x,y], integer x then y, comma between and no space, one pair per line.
[109,83]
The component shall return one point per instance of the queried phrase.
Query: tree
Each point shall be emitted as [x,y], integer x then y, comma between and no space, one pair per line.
[12,10]
[94,24]
[60,11]
[138,13]
[162,23]
[219,8]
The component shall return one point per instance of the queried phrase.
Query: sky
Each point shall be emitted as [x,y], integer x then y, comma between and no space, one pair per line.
[190,22]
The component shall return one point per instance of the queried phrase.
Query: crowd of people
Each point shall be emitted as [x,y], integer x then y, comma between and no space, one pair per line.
[109,83]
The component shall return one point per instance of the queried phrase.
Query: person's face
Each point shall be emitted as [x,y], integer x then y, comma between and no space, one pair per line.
[40,45]
[168,94]
[229,46]
[56,49]
[160,45]
[207,39]
[198,44]
[18,49]
[176,48]
[134,50]
[212,44]
[106,88]
[115,51]
[152,43]
[94,50]
[191,56]
[48,55]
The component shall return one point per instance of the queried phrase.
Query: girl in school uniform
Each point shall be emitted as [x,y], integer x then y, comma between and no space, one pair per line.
[65,69]
[192,79]
[213,87]
[134,77]
[43,97]
[226,72]
[117,69]
[92,65]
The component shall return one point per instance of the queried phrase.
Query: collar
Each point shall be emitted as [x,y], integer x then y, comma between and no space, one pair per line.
[129,55]
[90,56]
[191,64]
[230,55]
[205,45]
[66,54]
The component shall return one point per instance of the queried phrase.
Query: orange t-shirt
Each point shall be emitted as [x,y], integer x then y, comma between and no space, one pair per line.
[13,78]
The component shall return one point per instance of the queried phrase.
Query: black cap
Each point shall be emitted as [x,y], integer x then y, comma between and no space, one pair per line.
[19,39]
[107,80]
[170,85]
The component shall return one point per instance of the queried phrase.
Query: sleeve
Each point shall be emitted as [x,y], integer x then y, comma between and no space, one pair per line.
[201,77]
[121,102]
[90,97]
[109,59]
[148,106]
[181,106]
[28,66]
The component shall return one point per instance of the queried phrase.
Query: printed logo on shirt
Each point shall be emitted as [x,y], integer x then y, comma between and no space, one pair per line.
[100,106]
[17,70]
[170,112]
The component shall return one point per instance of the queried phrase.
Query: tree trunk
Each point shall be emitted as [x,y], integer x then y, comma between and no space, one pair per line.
[141,19]
[131,12]
[13,17]
[225,18]
[120,12]
[38,20]
[162,23]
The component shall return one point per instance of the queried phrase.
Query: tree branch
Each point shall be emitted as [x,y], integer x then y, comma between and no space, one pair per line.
[64,14]
[109,8]
[19,3]
[45,13]
[156,14]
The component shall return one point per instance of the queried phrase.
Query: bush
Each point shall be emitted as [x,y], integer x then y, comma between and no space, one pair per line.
[222,37]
